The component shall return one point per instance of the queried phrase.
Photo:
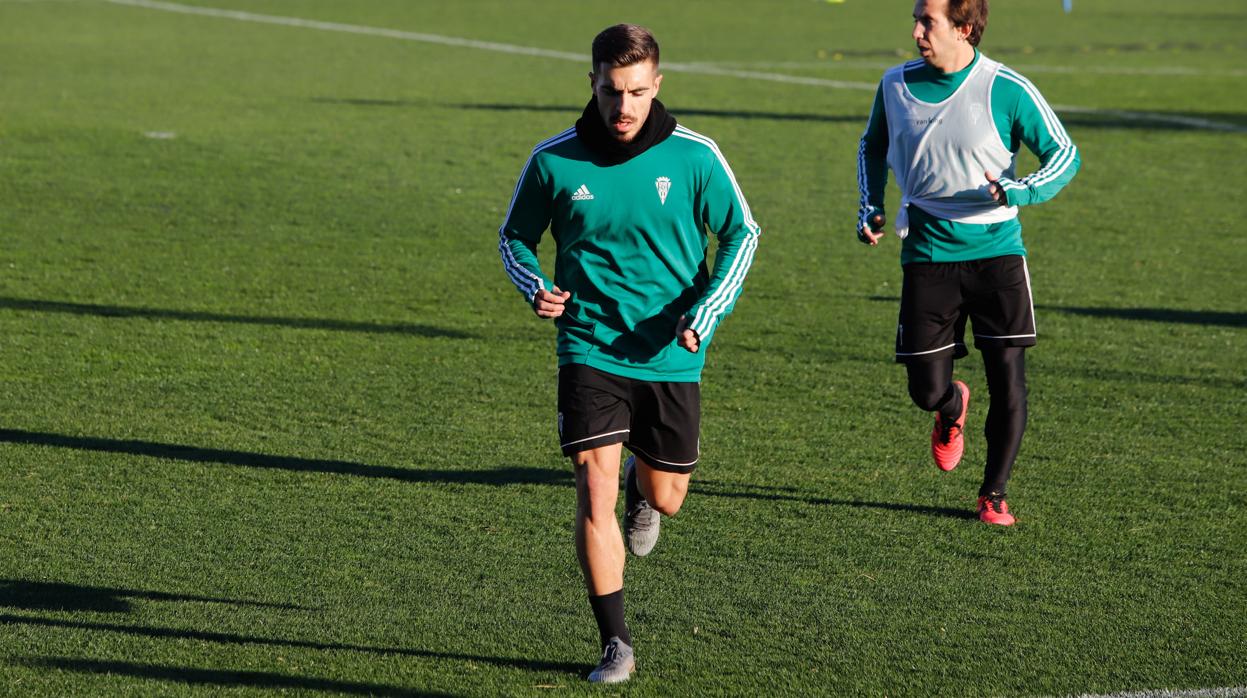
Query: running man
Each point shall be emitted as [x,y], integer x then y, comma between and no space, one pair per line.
[629,197]
[949,126]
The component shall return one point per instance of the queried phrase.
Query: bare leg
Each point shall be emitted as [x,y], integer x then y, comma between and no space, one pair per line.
[665,491]
[599,543]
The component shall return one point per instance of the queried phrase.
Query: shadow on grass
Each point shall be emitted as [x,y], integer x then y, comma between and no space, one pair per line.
[497,476]
[236,639]
[1168,315]
[716,490]
[1105,119]
[216,677]
[368,102]
[119,311]
[1155,120]
[678,113]
[194,454]
[50,596]
[575,110]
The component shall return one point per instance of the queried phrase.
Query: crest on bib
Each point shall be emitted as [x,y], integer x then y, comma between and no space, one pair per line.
[976,113]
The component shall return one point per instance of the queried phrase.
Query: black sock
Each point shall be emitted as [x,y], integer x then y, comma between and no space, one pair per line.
[950,407]
[608,610]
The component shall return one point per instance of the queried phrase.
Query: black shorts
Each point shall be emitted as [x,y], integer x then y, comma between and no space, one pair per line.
[938,297]
[658,421]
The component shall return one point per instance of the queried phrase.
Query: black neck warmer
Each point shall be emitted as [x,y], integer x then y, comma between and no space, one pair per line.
[593,132]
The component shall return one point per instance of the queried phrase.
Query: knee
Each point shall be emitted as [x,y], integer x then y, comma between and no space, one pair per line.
[669,501]
[669,506]
[926,397]
[664,491]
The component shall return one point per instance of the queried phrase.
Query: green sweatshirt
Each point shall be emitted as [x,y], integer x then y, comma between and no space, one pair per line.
[1021,117]
[631,249]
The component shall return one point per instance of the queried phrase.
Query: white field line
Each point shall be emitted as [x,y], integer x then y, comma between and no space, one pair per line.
[1146,117]
[700,68]
[1229,692]
[351,29]
[470,43]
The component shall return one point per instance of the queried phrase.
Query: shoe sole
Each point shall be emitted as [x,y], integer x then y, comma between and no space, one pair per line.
[614,676]
[997,522]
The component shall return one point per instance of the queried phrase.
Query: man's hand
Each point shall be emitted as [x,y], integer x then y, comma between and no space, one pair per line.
[994,188]
[866,236]
[685,337]
[550,304]
[871,230]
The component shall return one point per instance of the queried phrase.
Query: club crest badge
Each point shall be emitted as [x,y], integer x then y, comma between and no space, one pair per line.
[664,186]
[976,113]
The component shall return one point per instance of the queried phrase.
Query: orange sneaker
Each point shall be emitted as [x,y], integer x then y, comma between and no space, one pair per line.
[947,442]
[994,510]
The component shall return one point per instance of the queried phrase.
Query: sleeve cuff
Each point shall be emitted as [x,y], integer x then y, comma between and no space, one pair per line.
[1016,193]
[542,285]
[704,330]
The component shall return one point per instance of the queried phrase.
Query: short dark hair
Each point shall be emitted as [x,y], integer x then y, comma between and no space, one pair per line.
[624,44]
[972,13]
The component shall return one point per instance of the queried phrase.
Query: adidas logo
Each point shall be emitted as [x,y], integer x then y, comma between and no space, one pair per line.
[582,194]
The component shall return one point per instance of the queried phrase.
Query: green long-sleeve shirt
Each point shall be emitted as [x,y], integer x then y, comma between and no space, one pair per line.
[1020,116]
[631,249]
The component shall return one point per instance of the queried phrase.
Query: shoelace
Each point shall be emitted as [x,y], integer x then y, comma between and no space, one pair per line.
[641,523]
[947,431]
[993,503]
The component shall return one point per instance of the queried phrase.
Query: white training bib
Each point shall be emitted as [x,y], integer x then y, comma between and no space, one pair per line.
[940,152]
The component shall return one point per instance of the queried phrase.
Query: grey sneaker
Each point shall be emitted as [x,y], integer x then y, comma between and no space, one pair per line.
[617,663]
[641,521]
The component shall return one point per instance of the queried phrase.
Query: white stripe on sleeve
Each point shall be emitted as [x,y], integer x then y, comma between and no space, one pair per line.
[527,282]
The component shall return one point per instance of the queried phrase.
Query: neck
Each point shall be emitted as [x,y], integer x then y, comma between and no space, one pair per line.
[599,138]
[958,61]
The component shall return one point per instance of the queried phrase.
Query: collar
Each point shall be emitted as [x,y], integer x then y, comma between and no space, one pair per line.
[657,127]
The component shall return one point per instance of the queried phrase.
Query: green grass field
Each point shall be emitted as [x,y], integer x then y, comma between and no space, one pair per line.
[273,418]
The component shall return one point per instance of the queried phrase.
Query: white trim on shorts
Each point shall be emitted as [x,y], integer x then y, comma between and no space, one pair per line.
[609,433]
[648,457]
[1026,270]
[932,351]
